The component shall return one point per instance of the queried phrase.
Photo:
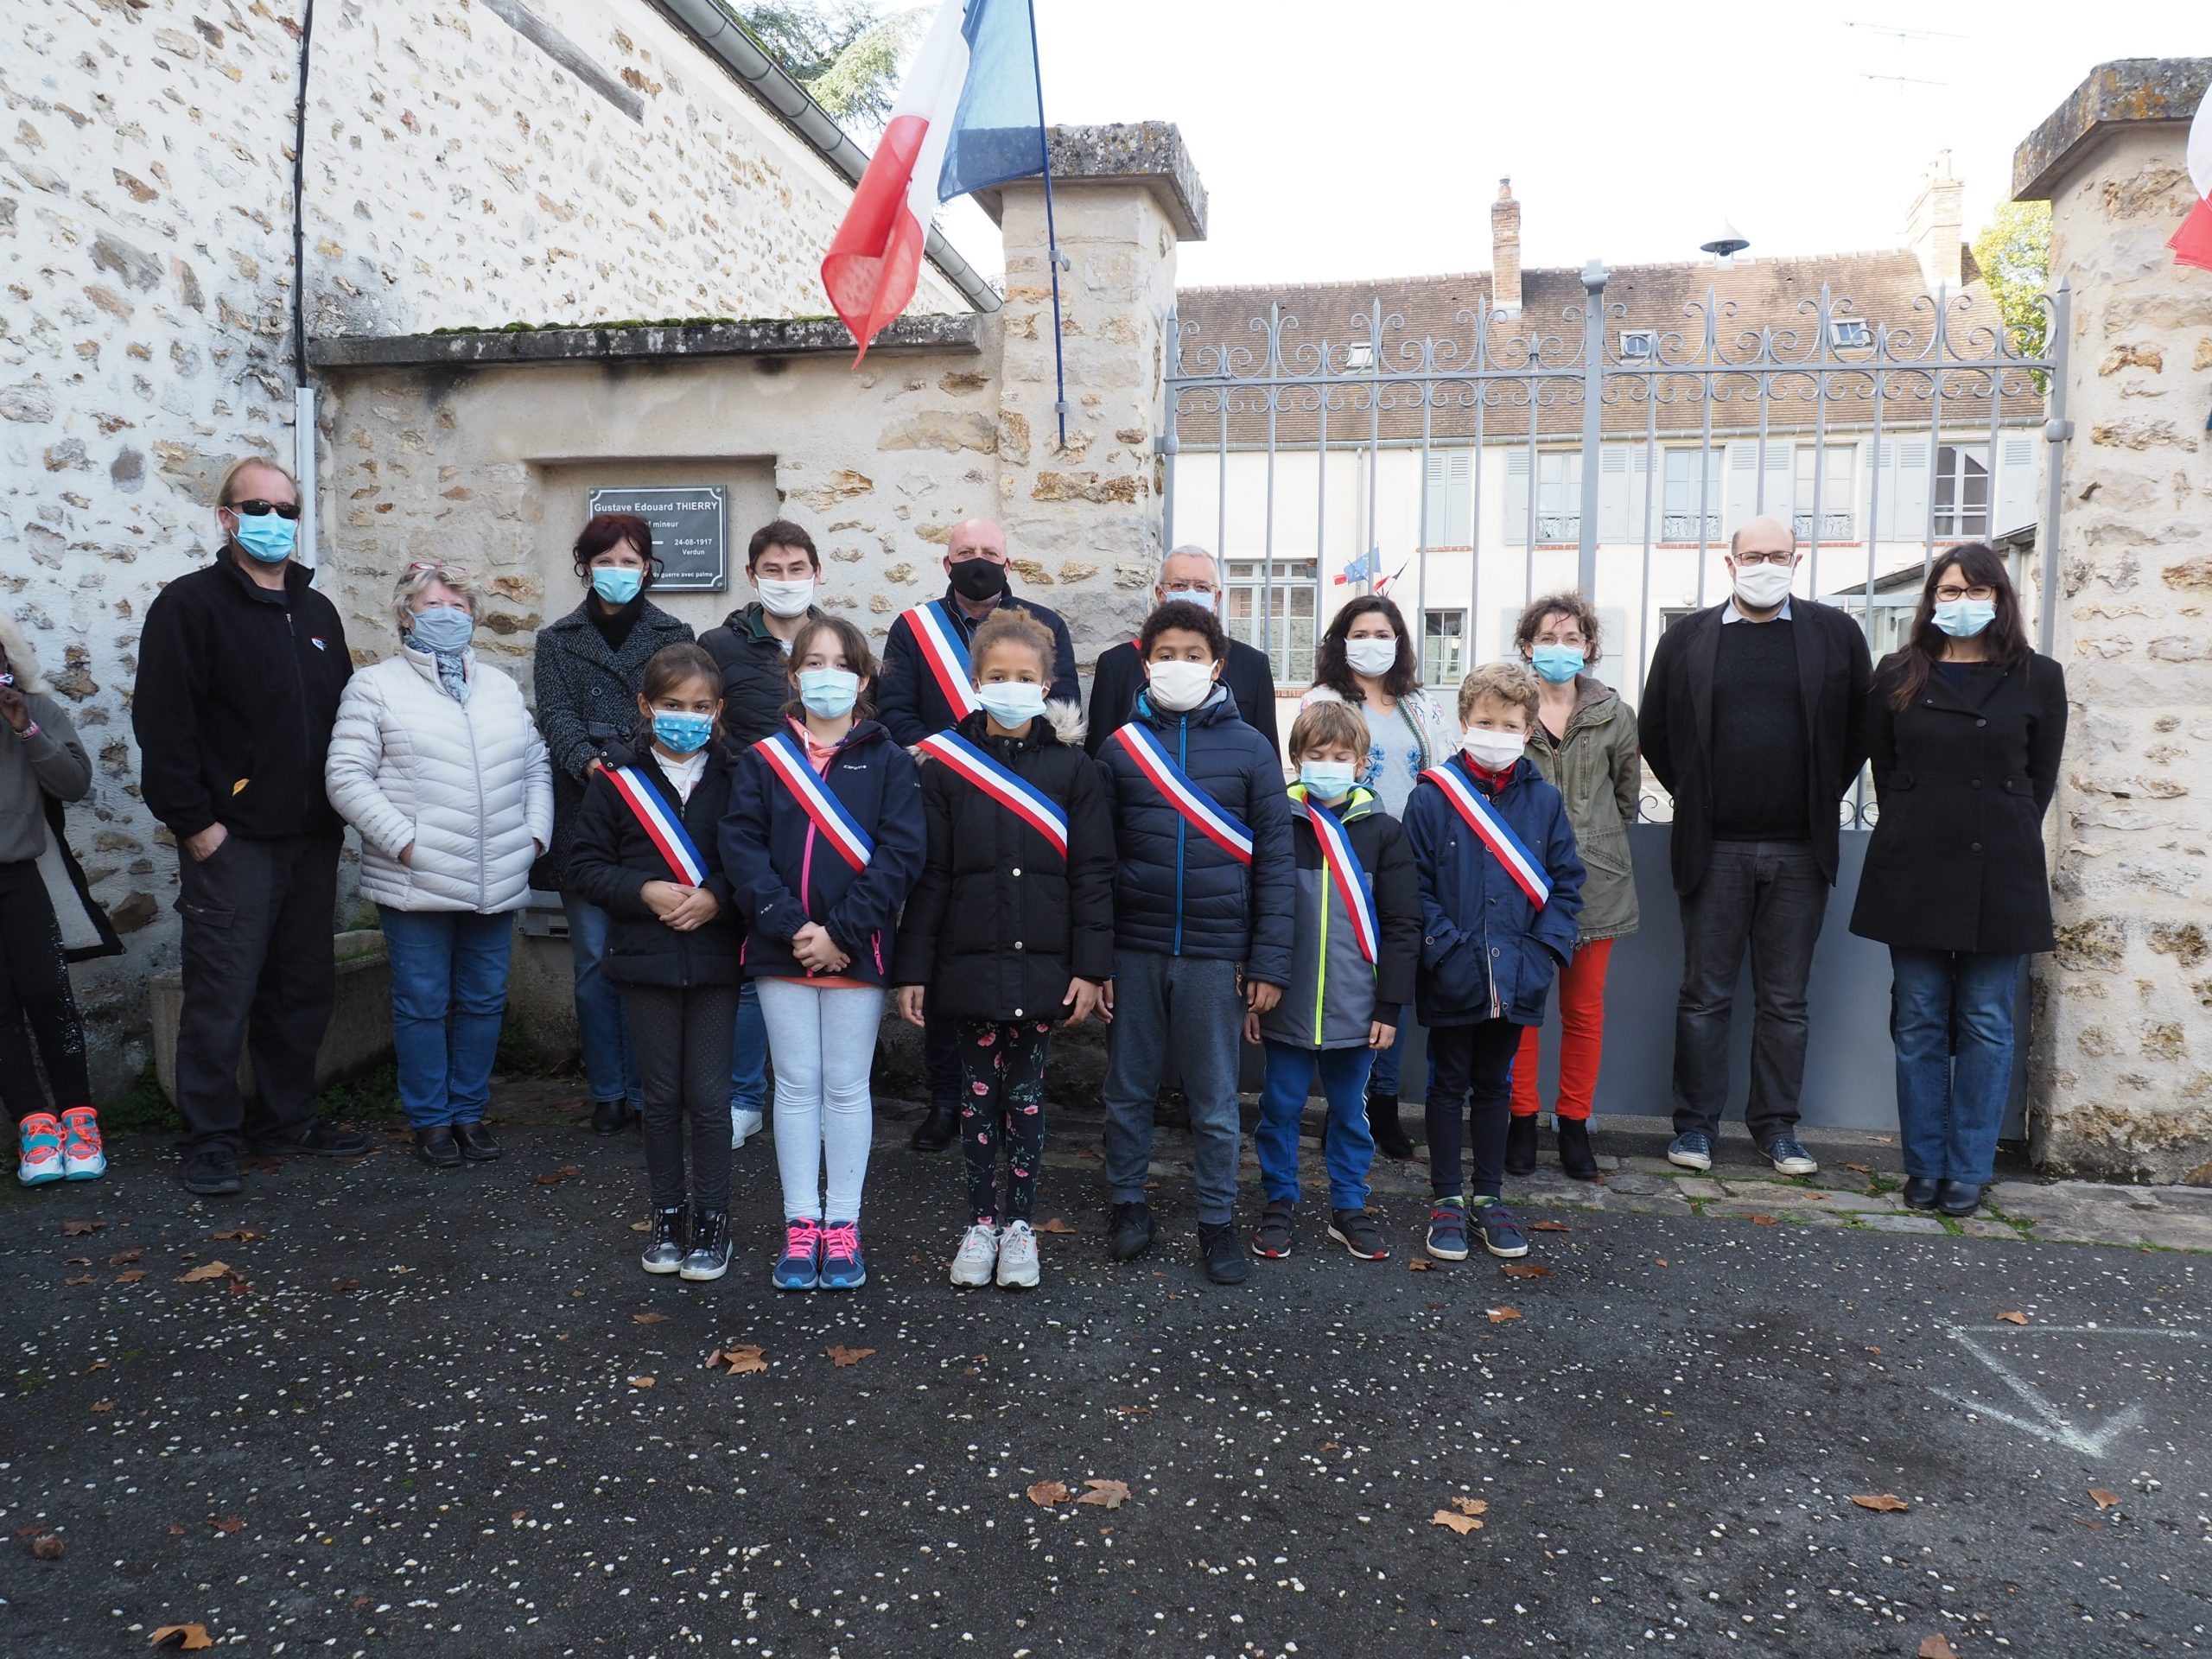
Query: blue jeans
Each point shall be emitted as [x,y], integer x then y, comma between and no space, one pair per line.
[448,995]
[602,1025]
[1349,1148]
[1189,1005]
[748,1054]
[1951,1019]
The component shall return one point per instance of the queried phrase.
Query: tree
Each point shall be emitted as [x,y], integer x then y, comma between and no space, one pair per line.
[2014,253]
[843,52]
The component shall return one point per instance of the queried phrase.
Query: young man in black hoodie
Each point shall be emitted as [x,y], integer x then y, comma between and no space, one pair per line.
[240,667]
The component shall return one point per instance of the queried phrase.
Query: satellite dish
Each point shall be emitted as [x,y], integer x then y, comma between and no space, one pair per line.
[1727,245]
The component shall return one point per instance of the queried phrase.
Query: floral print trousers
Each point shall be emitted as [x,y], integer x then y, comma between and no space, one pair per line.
[1002,1104]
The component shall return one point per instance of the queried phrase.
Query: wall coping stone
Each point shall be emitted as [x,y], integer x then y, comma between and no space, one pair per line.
[2115,94]
[755,337]
[1149,153]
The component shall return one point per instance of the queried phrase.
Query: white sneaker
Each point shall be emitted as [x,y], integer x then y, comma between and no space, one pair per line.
[743,1126]
[978,1253]
[1017,1257]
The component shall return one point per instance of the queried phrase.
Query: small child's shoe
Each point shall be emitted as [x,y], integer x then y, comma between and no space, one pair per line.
[843,1267]
[708,1258]
[82,1157]
[799,1266]
[1501,1233]
[1017,1257]
[1276,1236]
[39,1159]
[978,1256]
[1360,1233]
[665,1253]
[1447,1229]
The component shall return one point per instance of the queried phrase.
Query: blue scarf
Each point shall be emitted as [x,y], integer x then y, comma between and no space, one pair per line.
[452,669]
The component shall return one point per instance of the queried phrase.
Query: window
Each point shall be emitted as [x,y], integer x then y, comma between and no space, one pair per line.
[1962,490]
[1360,359]
[1559,495]
[1838,474]
[1690,490]
[1639,345]
[1286,608]
[1451,498]
[1443,646]
[1844,332]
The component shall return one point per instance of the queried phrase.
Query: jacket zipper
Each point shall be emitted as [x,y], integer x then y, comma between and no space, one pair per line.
[476,766]
[1321,958]
[299,700]
[1182,827]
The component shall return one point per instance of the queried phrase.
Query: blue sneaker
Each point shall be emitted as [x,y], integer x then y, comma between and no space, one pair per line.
[38,1154]
[1692,1149]
[1501,1233]
[797,1269]
[1447,1229]
[1789,1158]
[841,1266]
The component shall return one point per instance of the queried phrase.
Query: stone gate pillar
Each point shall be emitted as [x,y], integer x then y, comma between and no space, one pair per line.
[2121,1069]
[1082,521]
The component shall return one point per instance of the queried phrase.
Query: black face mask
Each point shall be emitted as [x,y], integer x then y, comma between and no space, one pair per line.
[977,580]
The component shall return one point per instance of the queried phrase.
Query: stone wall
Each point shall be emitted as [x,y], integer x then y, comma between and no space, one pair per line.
[2122,1060]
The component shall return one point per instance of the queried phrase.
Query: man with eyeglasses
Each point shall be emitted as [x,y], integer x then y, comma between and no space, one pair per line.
[1754,719]
[240,667]
[1188,573]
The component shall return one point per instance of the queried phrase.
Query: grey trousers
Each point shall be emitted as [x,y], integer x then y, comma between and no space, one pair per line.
[1189,1004]
[682,1038]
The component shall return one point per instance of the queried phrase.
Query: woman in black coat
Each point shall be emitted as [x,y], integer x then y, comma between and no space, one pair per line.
[1965,726]
[1008,931]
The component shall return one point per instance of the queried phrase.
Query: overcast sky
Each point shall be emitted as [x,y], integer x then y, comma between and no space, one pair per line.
[1352,140]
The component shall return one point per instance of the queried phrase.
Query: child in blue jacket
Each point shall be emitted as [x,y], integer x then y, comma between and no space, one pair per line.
[1501,885]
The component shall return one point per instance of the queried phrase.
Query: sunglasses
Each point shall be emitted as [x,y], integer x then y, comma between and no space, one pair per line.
[257,508]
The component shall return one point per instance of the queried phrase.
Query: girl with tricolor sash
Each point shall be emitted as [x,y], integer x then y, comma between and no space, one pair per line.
[645,852]
[1501,887]
[823,842]
[1011,928]
[1358,936]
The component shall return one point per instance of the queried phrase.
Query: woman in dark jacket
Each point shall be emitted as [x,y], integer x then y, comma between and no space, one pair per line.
[589,667]
[1011,924]
[1965,725]
[644,851]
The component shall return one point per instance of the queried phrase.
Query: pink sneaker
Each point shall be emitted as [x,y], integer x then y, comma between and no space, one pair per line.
[799,1267]
[40,1158]
[82,1157]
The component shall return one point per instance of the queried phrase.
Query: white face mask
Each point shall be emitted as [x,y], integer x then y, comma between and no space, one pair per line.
[1763,586]
[1493,750]
[784,600]
[1370,656]
[1178,688]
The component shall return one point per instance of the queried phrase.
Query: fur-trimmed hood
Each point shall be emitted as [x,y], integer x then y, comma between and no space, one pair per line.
[22,661]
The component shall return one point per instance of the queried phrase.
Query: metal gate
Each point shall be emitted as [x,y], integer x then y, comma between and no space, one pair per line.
[1322,446]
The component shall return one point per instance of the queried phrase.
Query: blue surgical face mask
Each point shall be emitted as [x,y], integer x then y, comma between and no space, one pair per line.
[1962,619]
[1558,663]
[617,584]
[1326,779]
[441,628]
[681,734]
[829,692]
[1011,702]
[266,538]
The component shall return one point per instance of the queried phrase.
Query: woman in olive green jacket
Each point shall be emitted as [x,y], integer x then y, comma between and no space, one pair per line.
[1585,745]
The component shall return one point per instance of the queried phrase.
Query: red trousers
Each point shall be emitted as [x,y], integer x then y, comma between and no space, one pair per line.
[1582,1037]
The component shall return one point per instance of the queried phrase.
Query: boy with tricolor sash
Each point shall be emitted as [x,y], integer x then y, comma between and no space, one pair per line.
[1010,930]
[1357,936]
[1501,886]
[1202,921]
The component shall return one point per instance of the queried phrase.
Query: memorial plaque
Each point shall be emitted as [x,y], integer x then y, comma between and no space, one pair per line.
[691,526]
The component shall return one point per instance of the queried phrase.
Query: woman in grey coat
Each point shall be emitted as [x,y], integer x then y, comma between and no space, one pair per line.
[589,665]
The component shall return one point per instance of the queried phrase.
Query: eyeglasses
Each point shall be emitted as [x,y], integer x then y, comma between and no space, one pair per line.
[1950,593]
[1205,588]
[257,508]
[1749,558]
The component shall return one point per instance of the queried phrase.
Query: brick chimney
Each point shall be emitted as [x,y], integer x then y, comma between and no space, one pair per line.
[1505,251]
[1936,226]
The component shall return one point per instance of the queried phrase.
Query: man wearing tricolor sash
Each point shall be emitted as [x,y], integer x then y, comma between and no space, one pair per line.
[1501,886]
[927,688]
[1203,896]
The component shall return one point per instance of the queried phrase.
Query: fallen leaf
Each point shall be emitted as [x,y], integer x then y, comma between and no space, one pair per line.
[2084,1521]
[187,1637]
[549,1180]
[32,1530]
[345,1285]
[1045,1493]
[649,1318]
[1663,1261]
[176,1529]
[641,1226]
[1527,1270]
[402,1269]
[1549,1227]
[240,1286]
[1935,1647]
[1503,1315]
[519,1515]
[131,1276]
[1106,1494]
[46,1547]
[1462,1524]
[1417,1264]
[1883,1503]
[200,1275]
[80,1229]
[1135,1411]
[1330,1446]
[1758,1220]
[641,1381]
[76,1261]
[1053,1224]
[2014,1317]
[101,1407]
[746,1358]
[97,1365]
[83,1279]
[226,1524]
[569,1171]
[240,1235]
[842,1357]
[1860,1169]
[2103,1499]
[1873,1351]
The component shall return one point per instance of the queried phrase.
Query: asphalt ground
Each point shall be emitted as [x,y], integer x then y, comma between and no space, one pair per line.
[427,1413]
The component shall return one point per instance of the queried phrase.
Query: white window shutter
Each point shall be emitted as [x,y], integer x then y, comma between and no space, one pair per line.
[1516,498]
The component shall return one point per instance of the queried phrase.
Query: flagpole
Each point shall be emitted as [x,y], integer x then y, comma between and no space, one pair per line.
[1052,235]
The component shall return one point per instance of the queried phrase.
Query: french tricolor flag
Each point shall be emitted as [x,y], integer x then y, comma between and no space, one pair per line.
[970,114]
[2192,243]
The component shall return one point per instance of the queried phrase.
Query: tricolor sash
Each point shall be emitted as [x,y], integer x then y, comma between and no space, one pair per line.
[938,636]
[838,827]
[1019,797]
[1205,814]
[662,827]
[1343,868]
[1490,828]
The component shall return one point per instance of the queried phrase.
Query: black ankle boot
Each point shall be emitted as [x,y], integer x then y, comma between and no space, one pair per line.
[1389,1134]
[1575,1156]
[937,1131]
[1521,1145]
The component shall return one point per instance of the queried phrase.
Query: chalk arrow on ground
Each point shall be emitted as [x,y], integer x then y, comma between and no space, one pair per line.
[2049,1422]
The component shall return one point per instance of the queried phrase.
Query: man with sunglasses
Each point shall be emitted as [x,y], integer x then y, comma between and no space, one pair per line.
[240,667]
[1754,719]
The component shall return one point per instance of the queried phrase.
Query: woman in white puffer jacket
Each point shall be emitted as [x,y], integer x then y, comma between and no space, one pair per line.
[437,761]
